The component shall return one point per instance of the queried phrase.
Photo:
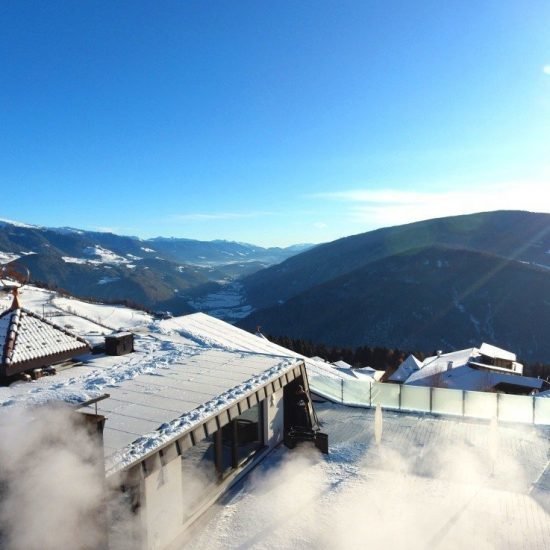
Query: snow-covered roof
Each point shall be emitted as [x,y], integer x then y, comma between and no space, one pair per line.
[207,330]
[457,370]
[184,371]
[497,353]
[507,370]
[440,363]
[26,336]
[342,364]
[157,406]
[359,374]
[405,369]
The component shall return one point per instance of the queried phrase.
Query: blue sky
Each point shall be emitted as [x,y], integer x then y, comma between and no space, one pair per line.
[271,122]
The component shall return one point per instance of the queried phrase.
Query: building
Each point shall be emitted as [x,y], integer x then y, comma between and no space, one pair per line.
[405,369]
[487,368]
[194,408]
[29,342]
[211,428]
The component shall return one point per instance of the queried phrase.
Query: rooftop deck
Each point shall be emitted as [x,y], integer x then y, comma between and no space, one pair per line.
[432,483]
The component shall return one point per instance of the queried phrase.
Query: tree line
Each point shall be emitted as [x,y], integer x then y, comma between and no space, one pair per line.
[377,357]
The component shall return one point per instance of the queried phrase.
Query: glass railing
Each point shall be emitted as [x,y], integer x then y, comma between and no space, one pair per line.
[478,404]
[357,392]
[505,407]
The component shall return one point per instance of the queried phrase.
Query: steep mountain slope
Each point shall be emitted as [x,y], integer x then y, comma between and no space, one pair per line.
[424,299]
[517,235]
[150,283]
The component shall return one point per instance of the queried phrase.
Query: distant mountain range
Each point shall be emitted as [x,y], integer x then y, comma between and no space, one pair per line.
[155,273]
[446,283]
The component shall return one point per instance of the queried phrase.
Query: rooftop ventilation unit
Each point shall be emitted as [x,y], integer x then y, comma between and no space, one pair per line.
[119,344]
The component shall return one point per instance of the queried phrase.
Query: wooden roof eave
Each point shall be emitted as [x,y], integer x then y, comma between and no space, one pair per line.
[11,369]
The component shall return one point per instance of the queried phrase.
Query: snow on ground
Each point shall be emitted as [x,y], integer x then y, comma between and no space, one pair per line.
[156,353]
[91,321]
[93,376]
[96,255]
[107,280]
[5,221]
[113,317]
[433,483]
[72,260]
[157,344]
[104,256]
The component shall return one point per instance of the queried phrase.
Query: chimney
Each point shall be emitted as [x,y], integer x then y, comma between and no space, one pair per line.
[15,303]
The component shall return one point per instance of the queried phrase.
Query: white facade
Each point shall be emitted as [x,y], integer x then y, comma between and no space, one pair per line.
[197,405]
[176,484]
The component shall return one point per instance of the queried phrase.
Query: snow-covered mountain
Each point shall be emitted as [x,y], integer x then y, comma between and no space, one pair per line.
[155,273]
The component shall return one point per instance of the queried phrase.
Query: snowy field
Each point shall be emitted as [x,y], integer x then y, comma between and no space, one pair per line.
[432,483]
[85,319]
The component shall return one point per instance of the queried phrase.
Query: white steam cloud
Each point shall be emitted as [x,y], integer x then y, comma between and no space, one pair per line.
[51,482]
[429,483]
[457,486]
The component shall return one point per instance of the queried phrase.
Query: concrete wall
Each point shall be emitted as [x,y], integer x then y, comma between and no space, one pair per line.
[166,508]
[274,419]
[164,504]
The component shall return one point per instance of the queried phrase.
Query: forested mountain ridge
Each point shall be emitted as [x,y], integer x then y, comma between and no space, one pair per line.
[518,235]
[484,277]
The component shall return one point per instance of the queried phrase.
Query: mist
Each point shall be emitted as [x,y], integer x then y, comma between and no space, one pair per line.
[51,481]
[426,483]
[451,485]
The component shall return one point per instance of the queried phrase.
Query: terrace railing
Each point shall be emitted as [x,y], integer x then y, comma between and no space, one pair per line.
[505,407]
